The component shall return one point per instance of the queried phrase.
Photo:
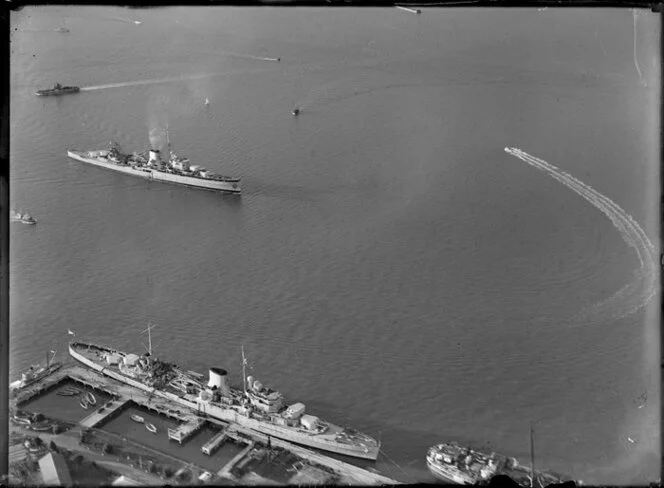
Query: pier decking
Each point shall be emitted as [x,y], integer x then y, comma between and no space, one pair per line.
[99,415]
[186,430]
[122,394]
[225,472]
[213,444]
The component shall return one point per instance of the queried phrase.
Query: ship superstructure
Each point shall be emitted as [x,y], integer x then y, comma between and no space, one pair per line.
[150,164]
[254,406]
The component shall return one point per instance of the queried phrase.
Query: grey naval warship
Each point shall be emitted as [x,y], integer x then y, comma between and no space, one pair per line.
[254,406]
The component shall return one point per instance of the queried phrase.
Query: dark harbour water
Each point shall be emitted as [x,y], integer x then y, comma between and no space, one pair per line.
[388,264]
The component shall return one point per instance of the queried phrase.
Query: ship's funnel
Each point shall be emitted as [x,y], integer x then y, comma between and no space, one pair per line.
[218,379]
[154,157]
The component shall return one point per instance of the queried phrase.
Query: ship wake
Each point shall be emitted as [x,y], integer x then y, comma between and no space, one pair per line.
[634,295]
[151,82]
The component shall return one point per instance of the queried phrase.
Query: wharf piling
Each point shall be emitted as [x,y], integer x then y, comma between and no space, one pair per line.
[225,472]
[213,444]
[102,413]
[186,430]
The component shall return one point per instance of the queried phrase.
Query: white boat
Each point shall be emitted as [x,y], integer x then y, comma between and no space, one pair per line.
[207,101]
[65,393]
[24,218]
[89,396]
[83,403]
[151,427]
[150,165]
[137,418]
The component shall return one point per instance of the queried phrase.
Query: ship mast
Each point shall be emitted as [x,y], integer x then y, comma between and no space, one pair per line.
[148,330]
[244,372]
[532,458]
[168,143]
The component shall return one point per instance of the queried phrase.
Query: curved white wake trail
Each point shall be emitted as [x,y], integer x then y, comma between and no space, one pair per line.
[630,230]
[636,61]
[621,219]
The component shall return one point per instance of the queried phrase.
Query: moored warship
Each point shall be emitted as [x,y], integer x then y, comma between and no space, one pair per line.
[254,406]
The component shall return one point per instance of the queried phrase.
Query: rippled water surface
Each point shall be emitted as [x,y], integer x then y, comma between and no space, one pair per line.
[388,264]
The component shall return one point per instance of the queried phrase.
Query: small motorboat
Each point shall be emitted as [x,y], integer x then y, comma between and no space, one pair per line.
[151,428]
[207,101]
[62,29]
[83,403]
[137,418]
[22,420]
[42,427]
[295,112]
[25,218]
[66,393]
[90,398]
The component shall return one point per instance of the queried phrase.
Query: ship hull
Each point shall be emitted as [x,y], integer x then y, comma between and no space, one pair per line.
[57,93]
[317,441]
[149,174]
[447,476]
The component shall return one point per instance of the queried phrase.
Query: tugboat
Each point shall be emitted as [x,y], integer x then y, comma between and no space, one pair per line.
[57,89]
[452,463]
[36,373]
[24,218]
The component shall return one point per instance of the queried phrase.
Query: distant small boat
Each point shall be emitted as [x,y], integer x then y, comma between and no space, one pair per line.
[25,218]
[62,29]
[137,418]
[295,112]
[90,398]
[83,403]
[207,101]
[42,427]
[76,391]
[151,428]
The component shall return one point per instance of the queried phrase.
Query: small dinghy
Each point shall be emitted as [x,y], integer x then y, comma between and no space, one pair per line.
[137,418]
[89,396]
[65,393]
[151,428]
[83,403]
